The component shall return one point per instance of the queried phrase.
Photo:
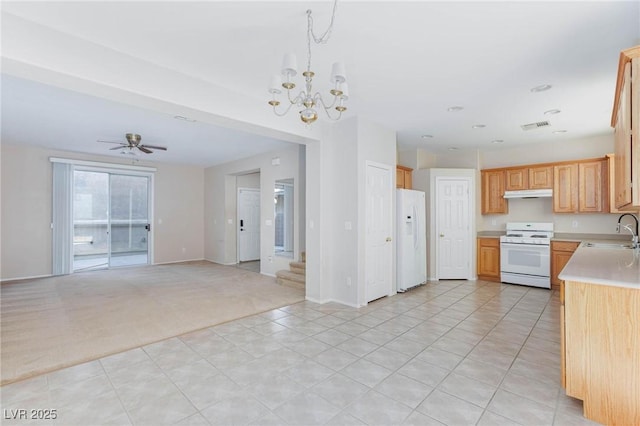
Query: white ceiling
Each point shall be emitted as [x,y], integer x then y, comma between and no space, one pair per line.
[407,62]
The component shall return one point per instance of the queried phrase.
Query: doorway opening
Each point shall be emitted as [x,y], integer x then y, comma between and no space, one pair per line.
[111,219]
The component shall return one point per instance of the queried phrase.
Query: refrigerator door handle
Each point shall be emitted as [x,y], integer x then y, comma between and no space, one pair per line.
[415,227]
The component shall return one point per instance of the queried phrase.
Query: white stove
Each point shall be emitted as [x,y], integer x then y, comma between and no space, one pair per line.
[528,233]
[525,254]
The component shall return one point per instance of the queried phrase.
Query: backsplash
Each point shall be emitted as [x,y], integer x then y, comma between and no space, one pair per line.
[541,210]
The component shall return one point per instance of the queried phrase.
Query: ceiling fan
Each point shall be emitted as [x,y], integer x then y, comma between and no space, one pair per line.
[133,142]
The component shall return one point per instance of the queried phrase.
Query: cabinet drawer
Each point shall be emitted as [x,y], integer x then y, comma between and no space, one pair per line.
[564,245]
[489,241]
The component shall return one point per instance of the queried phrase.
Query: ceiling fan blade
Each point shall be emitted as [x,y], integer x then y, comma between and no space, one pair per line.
[121,143]
[118,147]
[145,150]
[154,147]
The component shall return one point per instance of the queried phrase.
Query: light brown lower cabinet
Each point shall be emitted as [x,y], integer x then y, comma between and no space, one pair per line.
[488,261]
[561,252]
[600,344]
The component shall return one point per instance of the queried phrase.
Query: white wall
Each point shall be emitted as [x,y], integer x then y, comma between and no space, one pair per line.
[548,152]
[376,144]
[221,183]
[541,209]
[26,210]
[250,180]
[425,180]
[533,210]
[336,171]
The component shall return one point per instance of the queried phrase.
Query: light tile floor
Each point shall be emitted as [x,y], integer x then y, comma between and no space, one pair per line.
[450,352]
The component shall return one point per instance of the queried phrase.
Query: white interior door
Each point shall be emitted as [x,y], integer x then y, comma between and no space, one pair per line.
[248,224]
[453,223]
[379,228]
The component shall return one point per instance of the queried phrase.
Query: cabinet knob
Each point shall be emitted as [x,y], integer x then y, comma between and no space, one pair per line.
[441,235]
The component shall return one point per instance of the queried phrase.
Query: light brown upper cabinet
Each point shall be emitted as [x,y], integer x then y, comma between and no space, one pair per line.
[565,188]
[403,177]
[541,177]
[516,179]
[581,187]
[626,122]
[529,178]
[493,183]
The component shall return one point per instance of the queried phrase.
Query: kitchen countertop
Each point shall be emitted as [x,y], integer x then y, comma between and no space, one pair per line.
[490,234]
[605,266]
[566,236]
[569,236]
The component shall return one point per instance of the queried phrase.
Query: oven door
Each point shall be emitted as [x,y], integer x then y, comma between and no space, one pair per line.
[526,259]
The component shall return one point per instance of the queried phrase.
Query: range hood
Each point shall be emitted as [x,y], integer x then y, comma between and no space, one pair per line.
[529,193]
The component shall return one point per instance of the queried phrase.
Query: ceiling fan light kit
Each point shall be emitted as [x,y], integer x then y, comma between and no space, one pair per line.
[306,99]
[132,145]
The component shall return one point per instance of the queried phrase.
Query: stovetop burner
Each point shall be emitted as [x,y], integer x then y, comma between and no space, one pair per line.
[528,233]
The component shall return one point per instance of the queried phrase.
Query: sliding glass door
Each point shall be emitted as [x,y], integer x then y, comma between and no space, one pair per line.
[110,219]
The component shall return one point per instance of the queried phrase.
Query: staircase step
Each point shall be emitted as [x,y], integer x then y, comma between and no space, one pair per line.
[289,283]
[298,267]
[291,276]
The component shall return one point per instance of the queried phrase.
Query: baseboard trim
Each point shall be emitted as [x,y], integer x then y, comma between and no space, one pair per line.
[180,261]
[34,277]
[322,302]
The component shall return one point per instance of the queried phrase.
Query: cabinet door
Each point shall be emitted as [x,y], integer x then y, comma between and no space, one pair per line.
[541,177]
[489,259]
[623,144]
[399,178]
[408,183]
[561,252]
[592,189]
[563,360]
[493,201]
[516,179]
[565,188]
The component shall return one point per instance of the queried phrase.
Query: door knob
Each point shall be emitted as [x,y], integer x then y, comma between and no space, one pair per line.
[388,239]
[441,235]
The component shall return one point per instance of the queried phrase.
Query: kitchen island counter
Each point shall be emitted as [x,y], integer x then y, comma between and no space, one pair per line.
[605,266]
[600,333]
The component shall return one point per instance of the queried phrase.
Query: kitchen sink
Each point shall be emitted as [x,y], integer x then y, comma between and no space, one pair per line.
[607,245]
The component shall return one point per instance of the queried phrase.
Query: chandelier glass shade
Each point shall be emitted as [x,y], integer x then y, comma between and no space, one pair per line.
[306,99]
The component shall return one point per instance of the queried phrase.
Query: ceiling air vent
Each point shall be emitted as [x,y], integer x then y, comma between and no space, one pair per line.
[537,125]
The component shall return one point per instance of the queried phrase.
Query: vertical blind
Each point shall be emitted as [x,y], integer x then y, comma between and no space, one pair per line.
[62,218]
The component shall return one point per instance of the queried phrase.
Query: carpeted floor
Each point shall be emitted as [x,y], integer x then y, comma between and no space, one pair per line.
[56,322]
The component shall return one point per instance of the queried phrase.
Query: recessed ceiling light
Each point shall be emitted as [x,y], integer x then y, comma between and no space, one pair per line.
[541,88]
[559,131]
[426,136]
[453,148]
[183,118]
[455,108]
[497,141]
[552,112]
[478,126]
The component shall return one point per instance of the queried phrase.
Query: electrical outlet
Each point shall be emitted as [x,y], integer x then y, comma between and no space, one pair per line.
[494,222]
[348,281]
[184,250]
[574,224]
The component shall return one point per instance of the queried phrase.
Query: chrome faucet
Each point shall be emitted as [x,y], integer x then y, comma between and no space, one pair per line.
[634,238]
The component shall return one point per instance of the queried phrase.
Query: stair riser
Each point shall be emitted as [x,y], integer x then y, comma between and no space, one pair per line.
[289,283]
[298,270]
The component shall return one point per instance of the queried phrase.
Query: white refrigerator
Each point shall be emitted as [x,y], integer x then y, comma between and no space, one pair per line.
[411,239]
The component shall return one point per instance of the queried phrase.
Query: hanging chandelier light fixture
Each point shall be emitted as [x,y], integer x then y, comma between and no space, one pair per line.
[306,99]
